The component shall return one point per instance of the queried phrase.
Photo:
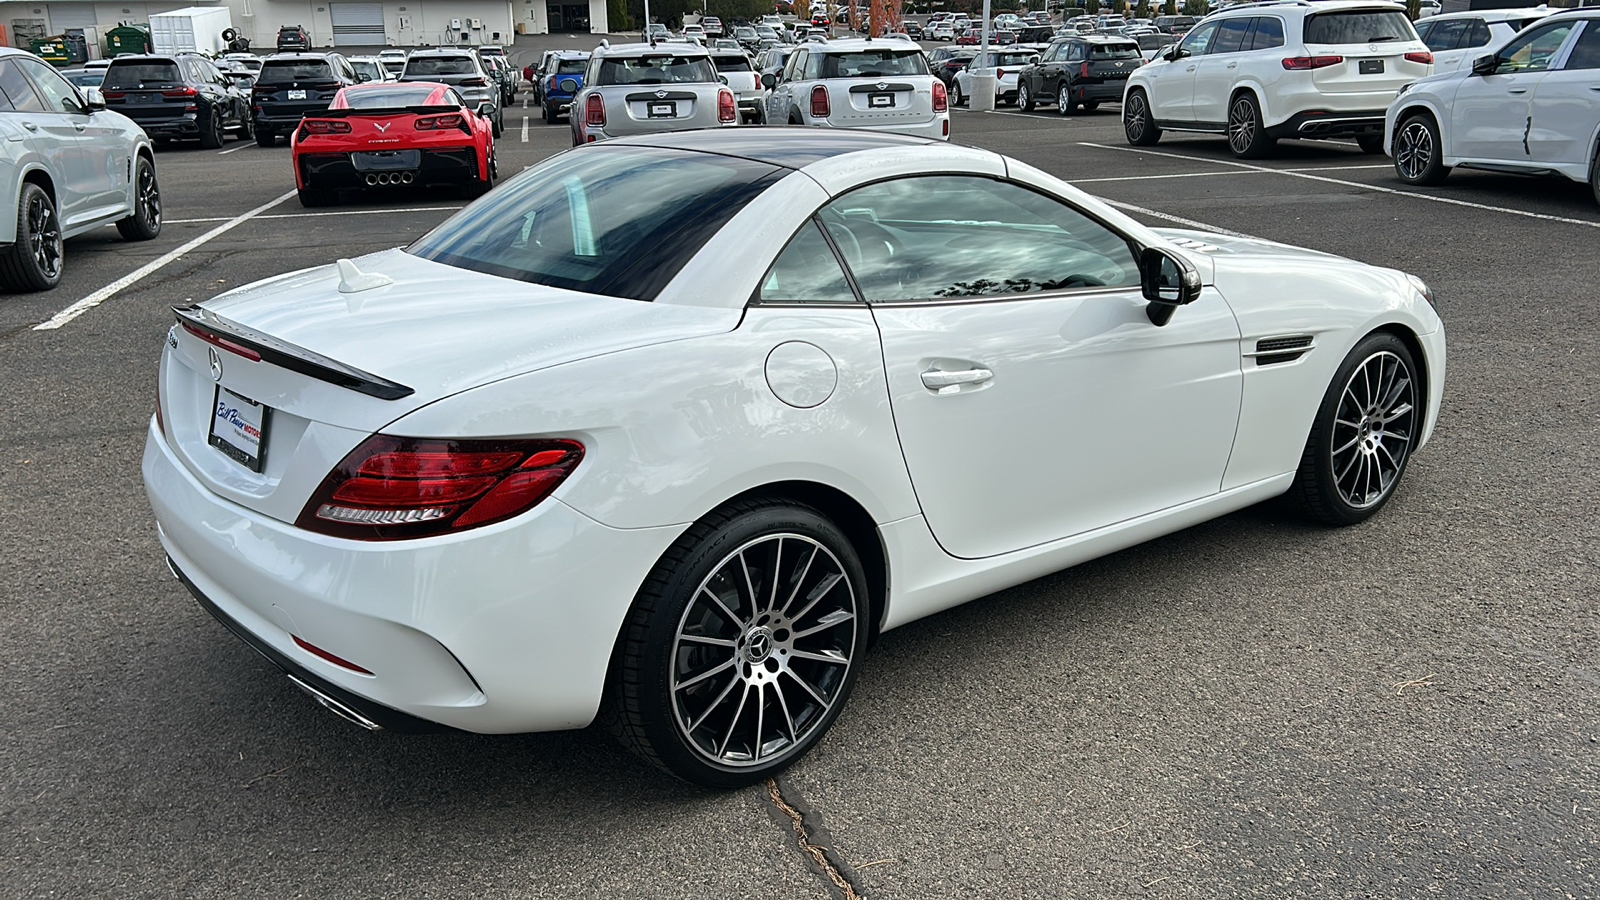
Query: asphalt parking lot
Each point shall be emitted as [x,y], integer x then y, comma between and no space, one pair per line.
[1251,707]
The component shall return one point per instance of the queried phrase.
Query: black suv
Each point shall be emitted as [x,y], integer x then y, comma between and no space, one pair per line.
[293,37]
[180,96]
[293,84]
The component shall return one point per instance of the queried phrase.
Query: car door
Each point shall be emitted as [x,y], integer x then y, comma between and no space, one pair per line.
[1171,84]
[52,136]
[1033,397]
[1492,113]
[1218,70]
[1566,105]
[104,151]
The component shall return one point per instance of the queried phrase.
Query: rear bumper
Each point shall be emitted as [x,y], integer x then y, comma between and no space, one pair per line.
[438,166]
[1326,124]
[284,121]
[186,125]
[1104,92]
[936,128]
[508,628]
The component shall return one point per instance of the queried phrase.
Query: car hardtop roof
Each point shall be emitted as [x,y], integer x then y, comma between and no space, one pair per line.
[1581,12]
[571,54]
[1495,15]
[682,48]
[790,148]
[443,51]
[1307,6]
[298,54]
[856,45]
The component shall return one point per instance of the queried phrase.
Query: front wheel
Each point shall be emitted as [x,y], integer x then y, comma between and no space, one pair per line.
[742,645]
[1363,434]
[1417,152]
[1024,98]
[1137,124]
[145,222]
[34,261]
[212,133]
[956,99]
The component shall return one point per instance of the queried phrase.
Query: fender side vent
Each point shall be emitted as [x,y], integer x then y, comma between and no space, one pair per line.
[1273,350]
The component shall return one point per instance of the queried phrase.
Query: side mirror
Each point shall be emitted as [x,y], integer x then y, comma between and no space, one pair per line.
[1485,65]
[1174,53]
[1168,282]
[94,99]
[769,81]
[723,79]
[486,109]
[1033,60]
[362,79]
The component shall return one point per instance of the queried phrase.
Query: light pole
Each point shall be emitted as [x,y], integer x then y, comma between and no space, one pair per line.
[983,76]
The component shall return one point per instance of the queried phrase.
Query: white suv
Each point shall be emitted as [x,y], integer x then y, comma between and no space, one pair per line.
[1533,107]
[876,85]
[1460,37]
[1264,71]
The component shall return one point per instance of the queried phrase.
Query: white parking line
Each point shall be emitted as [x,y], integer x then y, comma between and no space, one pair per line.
[1355,184]
[242,145]
[319,215]
[524,129]
[1221,174]
[1191,223]
[111,290]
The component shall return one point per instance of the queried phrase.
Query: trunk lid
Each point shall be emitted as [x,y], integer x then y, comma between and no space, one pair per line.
[436,331]
[1372,45]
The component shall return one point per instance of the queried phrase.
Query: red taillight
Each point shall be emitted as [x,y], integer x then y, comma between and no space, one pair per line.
[323,126]
[727,110]
[1083,71]
[819,102]
[113,95]
[551,84]
[594,111]
[941,98]
[224,343]
[1420,56]
[434,123]
[180,92]
[999,74]
[473,82]
[391,487]
[314,650]
[1301,63]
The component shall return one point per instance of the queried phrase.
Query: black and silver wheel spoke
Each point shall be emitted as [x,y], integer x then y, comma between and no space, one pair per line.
[1135,125]
[1372,429]
[1242,126]
[1414,150]
[44,237]
[751,676]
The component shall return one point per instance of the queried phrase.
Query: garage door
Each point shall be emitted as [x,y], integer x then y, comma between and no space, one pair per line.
[357,24]
[71,15]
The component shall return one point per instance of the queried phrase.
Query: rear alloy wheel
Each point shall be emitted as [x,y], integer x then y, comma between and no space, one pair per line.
[145,222]
[1137,125]
[34,261]
[211,131]
[742,646]
[1417,156]
[265,137]
[1064,104]
[247,128]
[1362,435]
[956,99]
[1247,138]
[1024,98]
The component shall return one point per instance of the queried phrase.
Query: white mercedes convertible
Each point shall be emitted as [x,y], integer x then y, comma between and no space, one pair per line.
[668,430]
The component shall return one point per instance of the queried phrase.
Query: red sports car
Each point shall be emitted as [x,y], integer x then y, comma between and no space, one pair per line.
[379,136]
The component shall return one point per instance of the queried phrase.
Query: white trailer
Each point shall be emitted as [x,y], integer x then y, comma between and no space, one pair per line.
[196,28]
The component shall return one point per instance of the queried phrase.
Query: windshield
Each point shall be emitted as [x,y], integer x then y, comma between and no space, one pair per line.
[664,68]
[388,97]
[275,71]
[732,63]
[620,222]
[439,65]
[367,67]
[121,76]
[1113,51]
[1359,27]
[1012,57]
[873,64]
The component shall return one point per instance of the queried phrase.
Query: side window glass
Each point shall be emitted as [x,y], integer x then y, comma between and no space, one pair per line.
[1195,42]
[806,272]
[59,96]
[1230,35]
[1269,33]
[1476,34]
[1533,51]
[1586,52]
[901,242]
[17,89]
[1444,36]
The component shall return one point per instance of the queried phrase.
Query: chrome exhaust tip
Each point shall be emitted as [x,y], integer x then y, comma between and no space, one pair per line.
[372,180]
[407,178]
[335,707]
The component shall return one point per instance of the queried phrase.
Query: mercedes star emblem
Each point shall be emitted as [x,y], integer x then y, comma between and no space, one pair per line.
[216,363]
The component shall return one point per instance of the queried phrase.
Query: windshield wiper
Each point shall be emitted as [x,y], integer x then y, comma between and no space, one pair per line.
[1383,37]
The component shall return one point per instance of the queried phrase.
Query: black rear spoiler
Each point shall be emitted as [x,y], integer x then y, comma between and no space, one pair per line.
[285,355]
[386,111]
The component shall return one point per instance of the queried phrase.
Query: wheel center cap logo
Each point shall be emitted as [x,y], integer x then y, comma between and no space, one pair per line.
[215,358]
[760,645]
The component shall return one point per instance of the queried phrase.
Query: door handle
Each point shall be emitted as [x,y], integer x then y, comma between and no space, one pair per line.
[1190,69]
[30,126]
[1517,91]
[1595,87]
[1233,65]
[941,379]
[79,126]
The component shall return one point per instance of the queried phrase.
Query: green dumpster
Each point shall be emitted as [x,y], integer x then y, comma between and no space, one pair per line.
[52,50]
[127,39]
